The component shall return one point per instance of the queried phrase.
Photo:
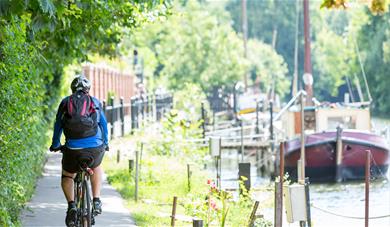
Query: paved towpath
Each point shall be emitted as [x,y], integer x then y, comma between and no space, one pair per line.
[48,205]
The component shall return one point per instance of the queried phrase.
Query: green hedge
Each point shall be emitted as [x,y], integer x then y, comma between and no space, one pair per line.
[23,126]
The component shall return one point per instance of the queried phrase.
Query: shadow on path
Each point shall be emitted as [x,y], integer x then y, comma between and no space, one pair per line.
[48,206]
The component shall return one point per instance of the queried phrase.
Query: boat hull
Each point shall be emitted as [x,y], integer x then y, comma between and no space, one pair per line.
[320,152]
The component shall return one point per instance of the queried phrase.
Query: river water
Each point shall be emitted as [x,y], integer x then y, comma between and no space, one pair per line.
[333,205]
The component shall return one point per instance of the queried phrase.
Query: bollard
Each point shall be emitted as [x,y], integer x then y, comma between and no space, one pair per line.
[244,170]
[173,211]
[197,223]
[131,165]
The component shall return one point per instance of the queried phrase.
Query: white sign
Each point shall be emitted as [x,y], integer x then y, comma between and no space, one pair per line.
[214,146]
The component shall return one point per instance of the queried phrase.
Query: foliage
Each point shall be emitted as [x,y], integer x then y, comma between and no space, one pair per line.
[206,52]
[269,67]
[271,22]
[38,38]
[189,99]
[23,126]
[376,6]
[176,134]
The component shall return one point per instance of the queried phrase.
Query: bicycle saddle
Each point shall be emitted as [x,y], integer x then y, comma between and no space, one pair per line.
[85,162]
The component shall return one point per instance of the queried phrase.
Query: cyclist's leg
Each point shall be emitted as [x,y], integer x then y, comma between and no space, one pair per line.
[67,185]
[96,181]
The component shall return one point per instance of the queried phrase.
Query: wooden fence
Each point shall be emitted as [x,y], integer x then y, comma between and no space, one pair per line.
[104,80]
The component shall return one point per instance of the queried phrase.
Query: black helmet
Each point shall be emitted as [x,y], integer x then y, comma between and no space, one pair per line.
[80,83]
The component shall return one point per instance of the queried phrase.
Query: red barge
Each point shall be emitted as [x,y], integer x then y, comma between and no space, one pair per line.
[321,152]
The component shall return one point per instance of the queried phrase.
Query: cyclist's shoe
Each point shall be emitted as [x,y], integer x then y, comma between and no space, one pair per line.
[70,219]
[97,206]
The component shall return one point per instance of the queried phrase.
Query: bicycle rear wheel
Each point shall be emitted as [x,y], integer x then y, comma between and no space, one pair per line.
[86,206]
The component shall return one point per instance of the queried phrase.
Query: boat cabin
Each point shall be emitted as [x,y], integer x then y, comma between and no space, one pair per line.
[326,119]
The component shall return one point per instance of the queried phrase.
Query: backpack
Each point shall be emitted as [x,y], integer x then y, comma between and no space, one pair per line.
[80,118]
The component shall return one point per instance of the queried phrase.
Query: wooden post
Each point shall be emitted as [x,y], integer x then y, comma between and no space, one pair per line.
[112,116]
[367,188]
[253,214]
[220,164]
[189,177]
[173,211]
[307,194]
[244,170]
[136,176]
[122,115]
[242,140]
[118,156]
[203,113]
[131,165]
[339,155]
[257,117]
[279,189]
[303,159]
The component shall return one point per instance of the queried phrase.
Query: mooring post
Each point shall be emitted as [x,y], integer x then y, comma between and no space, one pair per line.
[136,176]
[173,211]
[279,189]
[242,140]
[203,114]
[197,223]
[253,214]
[220,164]
[244,170]
[257,117]
[339,154]
[302,180]
[131,165]
[367,187]
[189,177]
[118,156]
[307,195]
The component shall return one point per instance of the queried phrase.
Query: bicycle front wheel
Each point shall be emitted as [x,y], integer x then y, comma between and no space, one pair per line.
[86,206]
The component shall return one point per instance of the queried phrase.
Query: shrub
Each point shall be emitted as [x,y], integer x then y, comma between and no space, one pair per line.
[22,122]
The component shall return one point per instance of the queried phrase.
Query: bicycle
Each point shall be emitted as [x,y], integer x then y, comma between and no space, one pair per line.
[85,216]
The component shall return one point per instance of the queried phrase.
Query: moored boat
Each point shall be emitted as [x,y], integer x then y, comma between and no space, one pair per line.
[321,155]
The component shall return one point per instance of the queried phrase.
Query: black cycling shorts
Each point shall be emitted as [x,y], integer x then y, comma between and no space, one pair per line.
[70,158]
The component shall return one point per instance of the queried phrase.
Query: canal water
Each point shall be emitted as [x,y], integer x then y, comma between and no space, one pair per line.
[333,205]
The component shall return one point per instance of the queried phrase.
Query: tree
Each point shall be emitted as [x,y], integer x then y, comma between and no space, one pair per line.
[188,49]
[268,68]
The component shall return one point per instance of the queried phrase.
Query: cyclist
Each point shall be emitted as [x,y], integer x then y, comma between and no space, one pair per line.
[82,120]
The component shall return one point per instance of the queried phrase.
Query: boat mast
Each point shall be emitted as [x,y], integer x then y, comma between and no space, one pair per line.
[307,76]
[245,37]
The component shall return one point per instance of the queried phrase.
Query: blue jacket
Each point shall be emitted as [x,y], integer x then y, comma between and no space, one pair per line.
[97,140]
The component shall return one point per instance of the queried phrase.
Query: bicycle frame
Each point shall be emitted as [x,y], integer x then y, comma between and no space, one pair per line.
[82,195]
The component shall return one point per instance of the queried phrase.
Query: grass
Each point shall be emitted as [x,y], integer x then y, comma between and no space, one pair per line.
[162,178]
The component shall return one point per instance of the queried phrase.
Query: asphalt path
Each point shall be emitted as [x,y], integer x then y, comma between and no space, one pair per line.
[48,206]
